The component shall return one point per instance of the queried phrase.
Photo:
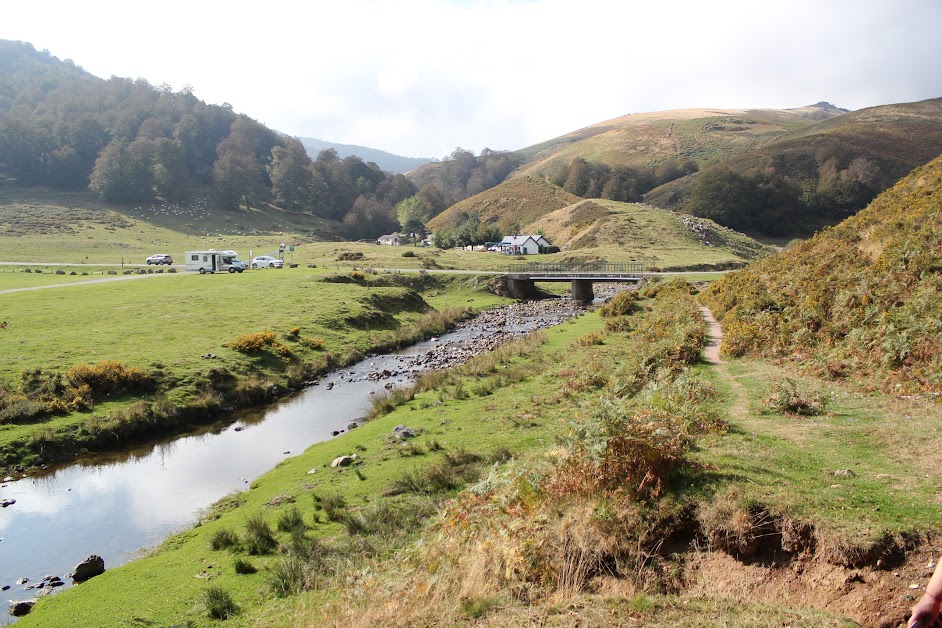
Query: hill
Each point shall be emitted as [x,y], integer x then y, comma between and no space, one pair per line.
[602,230]
[819,174]
[396,164]
[512,205]
[644,140]
[597,230]
[859,300]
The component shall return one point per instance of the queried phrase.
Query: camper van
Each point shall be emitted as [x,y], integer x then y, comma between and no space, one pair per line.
[212,261]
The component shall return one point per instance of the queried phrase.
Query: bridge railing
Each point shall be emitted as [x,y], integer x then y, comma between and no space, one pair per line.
[627,268]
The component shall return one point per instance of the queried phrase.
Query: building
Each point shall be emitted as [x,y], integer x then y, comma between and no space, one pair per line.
[393,239]
[523,244]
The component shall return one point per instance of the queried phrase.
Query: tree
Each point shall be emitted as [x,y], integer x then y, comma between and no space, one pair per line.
[412,214]
[291,180]
[237,179]
[170,172]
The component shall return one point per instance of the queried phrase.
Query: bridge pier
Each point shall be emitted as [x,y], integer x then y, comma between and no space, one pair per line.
[521,288]
[582,290]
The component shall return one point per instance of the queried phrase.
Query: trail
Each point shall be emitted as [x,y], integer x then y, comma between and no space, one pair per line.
[711,353]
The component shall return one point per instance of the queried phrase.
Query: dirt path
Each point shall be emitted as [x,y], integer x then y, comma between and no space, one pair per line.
[714,337]
[739,405]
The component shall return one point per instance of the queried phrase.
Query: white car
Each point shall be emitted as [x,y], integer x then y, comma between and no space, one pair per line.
[266,261]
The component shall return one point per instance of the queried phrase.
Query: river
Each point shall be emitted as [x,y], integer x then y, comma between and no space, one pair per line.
[118,505]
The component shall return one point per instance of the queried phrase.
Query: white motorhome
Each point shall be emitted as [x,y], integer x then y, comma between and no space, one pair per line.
[212,260]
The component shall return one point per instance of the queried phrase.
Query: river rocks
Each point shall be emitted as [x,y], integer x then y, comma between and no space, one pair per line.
[7,502]
[344,461]
[92,566]
[21,607]
[352,425]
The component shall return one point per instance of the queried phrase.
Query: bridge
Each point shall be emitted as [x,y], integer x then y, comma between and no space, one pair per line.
[522,277]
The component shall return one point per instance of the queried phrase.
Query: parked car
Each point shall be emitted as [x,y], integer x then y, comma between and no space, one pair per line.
[266,261]
[159,258]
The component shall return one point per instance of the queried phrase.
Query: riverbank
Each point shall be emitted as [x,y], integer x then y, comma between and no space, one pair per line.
[135,370]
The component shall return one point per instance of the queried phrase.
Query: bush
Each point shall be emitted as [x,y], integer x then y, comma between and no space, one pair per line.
[259,538]
[219,604]
[254,342]
[290,520]
[786,397]
[408,253]
[243,567]
[288,576]
[223,539]
[350,256]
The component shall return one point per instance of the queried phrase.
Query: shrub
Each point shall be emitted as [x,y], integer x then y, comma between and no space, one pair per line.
[350,256]
[219,604]
[785,396]
[591,338]
[259,538]
[620,304]
[254,342]
[243,567]
[408,253]
[109,377]
[290,519]
[313,343]
[223,539]
[288,576]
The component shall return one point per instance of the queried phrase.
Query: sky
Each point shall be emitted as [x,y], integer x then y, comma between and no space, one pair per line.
[421,78]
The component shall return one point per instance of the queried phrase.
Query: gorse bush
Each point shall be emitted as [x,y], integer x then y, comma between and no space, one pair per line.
[253,343]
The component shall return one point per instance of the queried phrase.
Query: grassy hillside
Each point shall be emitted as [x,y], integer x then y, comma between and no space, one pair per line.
[592,230]
[859,300]
[601,230]
[644,139]
[514,204]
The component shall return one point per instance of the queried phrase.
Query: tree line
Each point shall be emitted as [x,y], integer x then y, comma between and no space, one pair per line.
[131,142]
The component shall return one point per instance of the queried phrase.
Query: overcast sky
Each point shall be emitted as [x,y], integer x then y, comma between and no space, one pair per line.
[422,77]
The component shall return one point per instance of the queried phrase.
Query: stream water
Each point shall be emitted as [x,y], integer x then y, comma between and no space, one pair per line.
[117,505]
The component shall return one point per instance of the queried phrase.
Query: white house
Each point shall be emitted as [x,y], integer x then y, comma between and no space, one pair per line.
[393,239]
[523,244]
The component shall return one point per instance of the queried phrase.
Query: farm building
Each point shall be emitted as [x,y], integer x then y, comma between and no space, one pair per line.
[523,244]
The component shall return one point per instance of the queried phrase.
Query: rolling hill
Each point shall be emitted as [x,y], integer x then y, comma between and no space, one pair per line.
[861,299]
[645,139]
[602,230]
[893,138]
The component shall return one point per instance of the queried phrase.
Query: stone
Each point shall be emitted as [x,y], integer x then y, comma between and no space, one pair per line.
[7,502]
[844,473]
[344,461]
[401,432]
[21,607]
[92,566]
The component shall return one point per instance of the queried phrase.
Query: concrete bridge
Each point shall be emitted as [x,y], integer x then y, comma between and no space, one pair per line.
[521,278]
